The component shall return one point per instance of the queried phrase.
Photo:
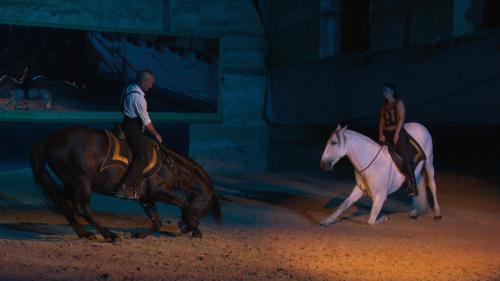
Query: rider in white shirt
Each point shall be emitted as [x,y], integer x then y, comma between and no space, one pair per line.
[135,119]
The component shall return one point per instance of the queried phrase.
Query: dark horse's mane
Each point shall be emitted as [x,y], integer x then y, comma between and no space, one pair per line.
[186,161]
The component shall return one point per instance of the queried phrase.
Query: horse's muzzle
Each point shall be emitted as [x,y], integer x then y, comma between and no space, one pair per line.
[326,165]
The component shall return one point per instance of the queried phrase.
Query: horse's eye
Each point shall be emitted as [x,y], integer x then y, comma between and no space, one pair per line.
[333,142]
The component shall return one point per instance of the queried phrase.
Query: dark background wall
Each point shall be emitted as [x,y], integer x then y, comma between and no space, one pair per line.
[455,82]
[441,55]
[294,30]
[240,133]
[17,138]
[282,94]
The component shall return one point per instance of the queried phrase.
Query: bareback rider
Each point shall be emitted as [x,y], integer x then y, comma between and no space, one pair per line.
[135,119]
[391,131]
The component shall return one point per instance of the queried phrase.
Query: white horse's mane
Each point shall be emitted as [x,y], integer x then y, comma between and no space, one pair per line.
[361,136]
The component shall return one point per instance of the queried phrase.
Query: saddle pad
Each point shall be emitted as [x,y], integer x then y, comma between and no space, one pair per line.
[415,153]
[119,155]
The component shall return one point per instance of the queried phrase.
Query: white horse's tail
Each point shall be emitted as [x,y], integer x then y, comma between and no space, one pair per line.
[421,201]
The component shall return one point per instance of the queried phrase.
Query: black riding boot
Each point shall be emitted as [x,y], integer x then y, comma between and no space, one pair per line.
[127,187]
[411,183]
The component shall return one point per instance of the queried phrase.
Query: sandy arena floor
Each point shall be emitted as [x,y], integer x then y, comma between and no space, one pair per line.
[270,232]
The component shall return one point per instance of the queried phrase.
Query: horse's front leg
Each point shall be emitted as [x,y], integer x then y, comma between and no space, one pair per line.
[355,195]
[188,222]
[154,216]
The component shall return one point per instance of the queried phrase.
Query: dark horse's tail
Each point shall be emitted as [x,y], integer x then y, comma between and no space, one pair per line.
[51,191]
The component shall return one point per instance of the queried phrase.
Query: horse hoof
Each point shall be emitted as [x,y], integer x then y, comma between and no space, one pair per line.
[323,224]
[139,235]
[413,217]
[438,218]
[113,237]
[184,228]
[196,234]
[90,237]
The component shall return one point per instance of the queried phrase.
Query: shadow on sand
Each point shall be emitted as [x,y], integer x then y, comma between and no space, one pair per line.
[307,205]
[55,232]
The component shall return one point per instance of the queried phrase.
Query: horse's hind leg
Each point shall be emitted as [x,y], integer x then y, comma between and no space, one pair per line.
[70,212]
[82,197]
[154,216]
[429,170]
[419,207]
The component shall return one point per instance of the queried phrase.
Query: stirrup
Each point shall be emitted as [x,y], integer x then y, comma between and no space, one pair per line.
[122,192]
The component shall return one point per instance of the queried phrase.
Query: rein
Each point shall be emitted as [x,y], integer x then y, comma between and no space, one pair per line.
[373,160]
[366,168]
[171,163]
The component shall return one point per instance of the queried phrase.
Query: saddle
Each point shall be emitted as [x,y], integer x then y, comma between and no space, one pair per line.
[415,154]
[120,155]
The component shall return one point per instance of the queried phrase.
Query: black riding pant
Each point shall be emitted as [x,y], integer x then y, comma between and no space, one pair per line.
[132,127]
[401,147]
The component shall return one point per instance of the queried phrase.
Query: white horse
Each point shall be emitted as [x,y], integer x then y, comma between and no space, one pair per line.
[376,173]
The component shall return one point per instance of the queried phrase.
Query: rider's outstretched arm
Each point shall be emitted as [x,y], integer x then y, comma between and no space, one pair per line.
[151,129]
[142,111]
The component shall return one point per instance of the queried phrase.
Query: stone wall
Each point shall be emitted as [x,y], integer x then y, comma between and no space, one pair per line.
[241,134]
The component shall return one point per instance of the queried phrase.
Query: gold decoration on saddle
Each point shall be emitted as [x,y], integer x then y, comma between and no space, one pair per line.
[115,143]
[116,154]
[417,147]
[152,163]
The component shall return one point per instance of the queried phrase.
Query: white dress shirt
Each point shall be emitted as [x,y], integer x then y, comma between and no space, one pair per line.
[134,104]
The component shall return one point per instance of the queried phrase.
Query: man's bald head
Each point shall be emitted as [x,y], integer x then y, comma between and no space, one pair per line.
[145,79]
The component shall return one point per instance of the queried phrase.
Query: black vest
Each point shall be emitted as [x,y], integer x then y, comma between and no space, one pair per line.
[391,115]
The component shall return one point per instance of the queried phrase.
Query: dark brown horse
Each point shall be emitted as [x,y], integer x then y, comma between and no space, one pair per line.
[75,155]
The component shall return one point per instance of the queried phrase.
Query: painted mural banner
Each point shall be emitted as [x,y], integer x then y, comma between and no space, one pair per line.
[58,74]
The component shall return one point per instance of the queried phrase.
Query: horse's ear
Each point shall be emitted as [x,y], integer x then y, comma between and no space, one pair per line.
[338,127]
[345,127]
